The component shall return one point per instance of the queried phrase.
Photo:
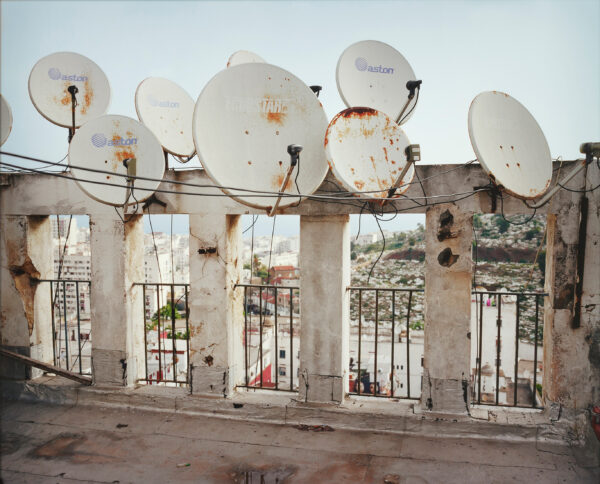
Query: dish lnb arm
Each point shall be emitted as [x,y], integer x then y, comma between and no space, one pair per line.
[294,152]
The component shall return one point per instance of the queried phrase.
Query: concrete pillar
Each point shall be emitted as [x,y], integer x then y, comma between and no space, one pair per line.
[216,307]
[25,307]
[324,308]
[448,275]
[572,354]
[117,307]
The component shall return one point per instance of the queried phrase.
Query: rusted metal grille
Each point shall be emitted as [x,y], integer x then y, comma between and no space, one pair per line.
[386,347]
[271,336]
[506,342]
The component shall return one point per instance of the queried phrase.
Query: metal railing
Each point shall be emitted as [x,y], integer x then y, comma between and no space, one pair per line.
[69,305]
[270,362]
[166,333]
[389,325]
[494,383]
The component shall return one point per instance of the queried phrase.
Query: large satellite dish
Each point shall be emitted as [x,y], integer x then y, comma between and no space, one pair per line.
[244,57]
[167,110]
[49,84]
[244,121]
[6,120]
[373,74]
[510,145]
[367,153]
[109,143]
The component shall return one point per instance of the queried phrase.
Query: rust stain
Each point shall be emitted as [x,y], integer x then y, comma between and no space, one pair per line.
[519,164]
[367,132]
[277,118]
[88,96]
[359,184]
[124,154]
[277,133]
[391,141]
[129,134]
[277,181]
[246,131]
[386,154]
[280,163]
[358,113]
[26,278]
[326,140]
[249,162]
[352,170]
[393,162]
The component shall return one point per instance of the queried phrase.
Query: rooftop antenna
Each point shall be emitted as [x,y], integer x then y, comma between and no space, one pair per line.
[68,89]
[370,154]
[257,111]
[373,74]
[6,120]
[244,57]
[167,110]
[119,149]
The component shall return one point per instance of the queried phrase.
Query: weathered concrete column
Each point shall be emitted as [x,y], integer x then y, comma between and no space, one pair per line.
[448,275]
[216,307]
[25,308]
[324,307]
[117,306]
[572,351]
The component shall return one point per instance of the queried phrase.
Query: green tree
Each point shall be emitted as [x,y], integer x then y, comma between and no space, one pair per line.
[502,224]
[165,313]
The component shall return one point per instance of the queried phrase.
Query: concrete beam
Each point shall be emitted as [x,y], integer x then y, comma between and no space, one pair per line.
[117,306]
[324,308]
[448,275]
[216,307]
[25,308]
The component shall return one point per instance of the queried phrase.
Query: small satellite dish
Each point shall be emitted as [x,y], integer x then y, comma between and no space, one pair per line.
[167,110]
[110,143]
[244,57]
[6,120]
[49,84]
[244,121]
[373,74]
[510,145]
[367,152]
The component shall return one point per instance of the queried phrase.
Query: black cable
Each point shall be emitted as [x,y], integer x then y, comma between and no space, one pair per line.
[382,247]
[476,256]
[412,108]
[155,249]
[254,219]
[510,221]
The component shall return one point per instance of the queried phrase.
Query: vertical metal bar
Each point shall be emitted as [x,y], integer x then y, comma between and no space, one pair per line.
[187,334]
[260,323]
[498,345]
[291,340]
[145,332]
[375,390]
[66,328]
[246,331]
[53,322]
[78,325]
[480,346]
[159,376]
[174,355]
[359,381]
[535,347]
[393,341]
[516,354]
[276,345]
[410,293]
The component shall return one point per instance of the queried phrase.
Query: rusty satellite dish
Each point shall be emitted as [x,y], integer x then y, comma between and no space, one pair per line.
[510,145]
[243,57]
[167,110]
[49,84]
[373,74]
[6,119]
[120,146]
[367,153]
[244,121]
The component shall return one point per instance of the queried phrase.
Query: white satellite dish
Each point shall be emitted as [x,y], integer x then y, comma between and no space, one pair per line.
[244,57]
[510,145]
[50,80]
[367,153]
[244,121]
[6,119]
[373,74]
[167,110]
[105,143]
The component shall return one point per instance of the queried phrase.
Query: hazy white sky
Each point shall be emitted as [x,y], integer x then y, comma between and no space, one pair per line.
[544,53]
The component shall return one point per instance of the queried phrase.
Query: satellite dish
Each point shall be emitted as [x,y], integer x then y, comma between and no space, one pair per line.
[367,152]
[244,121]
[510,145]
[167,110]
[105,143]
[244,57]
[50,80]
[374,74]
[6,119]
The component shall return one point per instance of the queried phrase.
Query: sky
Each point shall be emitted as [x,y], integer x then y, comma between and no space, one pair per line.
[546,54]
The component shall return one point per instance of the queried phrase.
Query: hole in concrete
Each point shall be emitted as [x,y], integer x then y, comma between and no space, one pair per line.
[446,258]
[208,360]
[446,223]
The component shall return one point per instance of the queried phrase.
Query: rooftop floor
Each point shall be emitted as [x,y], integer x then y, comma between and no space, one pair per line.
[81,443]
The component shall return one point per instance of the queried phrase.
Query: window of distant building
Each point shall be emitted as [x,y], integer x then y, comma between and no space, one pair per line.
[282,371]
[281,353]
